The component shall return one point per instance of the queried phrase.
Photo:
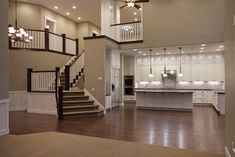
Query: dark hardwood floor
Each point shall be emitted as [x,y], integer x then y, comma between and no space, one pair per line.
[200,130]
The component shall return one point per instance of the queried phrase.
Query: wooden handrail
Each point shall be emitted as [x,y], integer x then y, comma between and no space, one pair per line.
[118,24]
[76,58]
[44,71]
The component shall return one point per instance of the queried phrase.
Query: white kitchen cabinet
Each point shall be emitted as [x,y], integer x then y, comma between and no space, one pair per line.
[129,66]
[201,72]
[210,72]
[146,73]
[194,72]
[219,72]
[204,97]
[186,70]
[139,73]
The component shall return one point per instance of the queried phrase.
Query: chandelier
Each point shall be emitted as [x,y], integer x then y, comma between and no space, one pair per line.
[18,34]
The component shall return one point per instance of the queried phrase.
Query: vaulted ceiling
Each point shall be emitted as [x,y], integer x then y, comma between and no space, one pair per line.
[87,10]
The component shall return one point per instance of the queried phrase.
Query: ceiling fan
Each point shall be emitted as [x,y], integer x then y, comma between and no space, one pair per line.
[133,3]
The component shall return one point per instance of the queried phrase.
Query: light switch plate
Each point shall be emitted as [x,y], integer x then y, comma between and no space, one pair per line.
[234,20]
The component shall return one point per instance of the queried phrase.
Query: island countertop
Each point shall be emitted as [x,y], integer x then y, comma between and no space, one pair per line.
[163,91]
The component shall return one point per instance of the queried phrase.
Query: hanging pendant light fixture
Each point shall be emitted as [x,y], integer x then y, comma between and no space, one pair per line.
[18,34]
[164,72]
[150,69]
[180,74]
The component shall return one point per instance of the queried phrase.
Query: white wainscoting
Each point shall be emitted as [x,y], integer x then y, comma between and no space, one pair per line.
[4,117]
[18,100]
[44,103]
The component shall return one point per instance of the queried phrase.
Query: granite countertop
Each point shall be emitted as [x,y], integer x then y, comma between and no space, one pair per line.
[163,91]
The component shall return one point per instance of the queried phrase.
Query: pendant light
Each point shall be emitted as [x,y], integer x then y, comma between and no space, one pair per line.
[180,74]
[150,69]
[18,34]
[164,72]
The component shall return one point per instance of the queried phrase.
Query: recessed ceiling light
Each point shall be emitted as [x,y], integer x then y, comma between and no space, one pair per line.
[135,50]
[79,18]
[135,13]
[182,52]
[140,8]
[202,48]
[203,45]
[144,54]
[168,53]
[201,51]
[218,50]
[221,46]
[111,7]
[140,52]
[157,53]
[136,19]
[74,7]
[55,7]
[68,13]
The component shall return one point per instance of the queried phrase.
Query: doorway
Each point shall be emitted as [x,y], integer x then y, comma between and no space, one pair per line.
[50,24]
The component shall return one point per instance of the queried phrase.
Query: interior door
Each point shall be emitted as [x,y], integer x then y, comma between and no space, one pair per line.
[115,87]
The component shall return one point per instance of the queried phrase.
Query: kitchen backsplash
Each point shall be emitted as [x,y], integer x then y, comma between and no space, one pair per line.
[183,85]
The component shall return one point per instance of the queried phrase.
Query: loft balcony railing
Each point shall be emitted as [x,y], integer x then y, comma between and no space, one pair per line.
[127,32]
[43,40]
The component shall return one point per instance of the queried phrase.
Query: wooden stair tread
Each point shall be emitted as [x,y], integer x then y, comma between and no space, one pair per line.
[76,96]
[82,112]
[79,107]
[78,101]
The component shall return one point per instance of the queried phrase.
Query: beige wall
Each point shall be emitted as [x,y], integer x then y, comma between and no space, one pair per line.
[95,62]
[33,16]
[230,75]
[21,60]
[4,71]
[173,22]
[85,29]
[96,66]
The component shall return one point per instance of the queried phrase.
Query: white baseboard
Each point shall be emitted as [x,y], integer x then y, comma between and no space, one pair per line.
[4,117]
[227,154]
[42,111]
[18,100]
[4,132]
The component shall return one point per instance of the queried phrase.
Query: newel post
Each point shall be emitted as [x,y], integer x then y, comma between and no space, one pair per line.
[29,79]
[57,71]
[64,43]
[77,46]
[60,104]
[67,77]
[46,39]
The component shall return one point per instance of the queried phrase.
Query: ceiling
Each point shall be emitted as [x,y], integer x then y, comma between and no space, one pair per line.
[88,10]
[171,50]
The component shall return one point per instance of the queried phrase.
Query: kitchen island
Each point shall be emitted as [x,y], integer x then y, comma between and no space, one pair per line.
[180,100]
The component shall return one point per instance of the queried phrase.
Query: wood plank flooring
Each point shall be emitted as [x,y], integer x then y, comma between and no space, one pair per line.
[200,130]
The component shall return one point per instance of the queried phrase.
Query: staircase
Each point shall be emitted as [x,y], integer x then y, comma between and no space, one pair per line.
[77,104]
[74,102]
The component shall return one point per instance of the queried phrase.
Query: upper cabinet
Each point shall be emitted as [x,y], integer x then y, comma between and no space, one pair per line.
[129,65]
[195,67]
